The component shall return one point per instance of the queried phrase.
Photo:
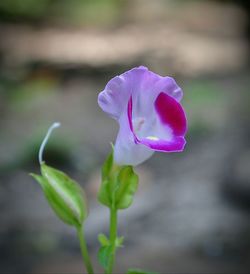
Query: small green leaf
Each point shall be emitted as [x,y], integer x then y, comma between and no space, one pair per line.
[139,271]
[105,193]
[64,195]
[107,188]
[119,241]
[127,185]
[104,255]
[104,196]
[107,167]
[103,240]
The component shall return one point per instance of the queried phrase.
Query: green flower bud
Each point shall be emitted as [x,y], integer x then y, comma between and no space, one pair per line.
[64,195]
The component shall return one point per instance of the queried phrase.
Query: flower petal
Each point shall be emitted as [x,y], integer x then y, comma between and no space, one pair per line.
[175,145]
[129,153]
[172,142]
[171,113]
[168,85]
[113,99]
[126,151]
[143,84]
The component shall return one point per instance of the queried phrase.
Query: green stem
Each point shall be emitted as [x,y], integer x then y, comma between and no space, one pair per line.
[113,236]
[84,250]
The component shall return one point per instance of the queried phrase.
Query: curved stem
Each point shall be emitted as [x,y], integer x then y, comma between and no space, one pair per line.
[84,250]
[113,236]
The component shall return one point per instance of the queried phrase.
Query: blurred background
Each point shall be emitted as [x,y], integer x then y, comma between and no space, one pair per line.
[191,213]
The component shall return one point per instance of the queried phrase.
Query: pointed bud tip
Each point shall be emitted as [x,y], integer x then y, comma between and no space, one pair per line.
[56,124]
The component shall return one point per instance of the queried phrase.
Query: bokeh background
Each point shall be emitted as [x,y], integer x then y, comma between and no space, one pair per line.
[191,213]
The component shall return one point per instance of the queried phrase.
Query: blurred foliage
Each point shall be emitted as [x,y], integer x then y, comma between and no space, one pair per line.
[200,98]
[29,9]
[35,89]
[75,12]
[203,92]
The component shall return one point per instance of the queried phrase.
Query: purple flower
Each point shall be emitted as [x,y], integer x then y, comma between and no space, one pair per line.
[147,107]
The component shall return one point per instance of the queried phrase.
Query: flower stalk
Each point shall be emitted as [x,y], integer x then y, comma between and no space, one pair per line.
[84,250]
[113,237]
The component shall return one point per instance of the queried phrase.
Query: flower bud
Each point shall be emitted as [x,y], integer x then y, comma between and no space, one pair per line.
[64,195]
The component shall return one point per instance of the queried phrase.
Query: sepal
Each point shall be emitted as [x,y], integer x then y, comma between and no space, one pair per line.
[127,184]
[119,184]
